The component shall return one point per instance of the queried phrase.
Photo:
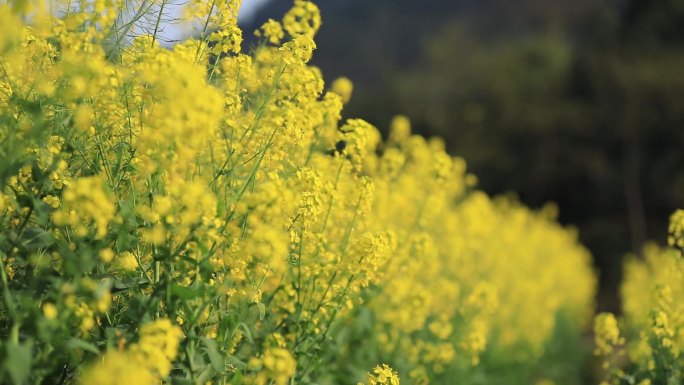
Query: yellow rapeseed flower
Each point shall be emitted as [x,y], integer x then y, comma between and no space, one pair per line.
[343,87]
[50,311]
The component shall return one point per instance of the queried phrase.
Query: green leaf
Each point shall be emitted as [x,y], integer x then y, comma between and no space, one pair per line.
[185,292]
[128,284]
[76,343]
[181,381]
[24,200]
[262,311]
[236,362]
[237,379]
[248,333]
[36,238]
[215,358]
[18,363]
[205,375]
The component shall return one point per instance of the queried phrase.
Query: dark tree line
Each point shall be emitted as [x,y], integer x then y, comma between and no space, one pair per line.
[577,102]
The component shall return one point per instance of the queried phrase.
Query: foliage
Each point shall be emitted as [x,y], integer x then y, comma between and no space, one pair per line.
[199,215]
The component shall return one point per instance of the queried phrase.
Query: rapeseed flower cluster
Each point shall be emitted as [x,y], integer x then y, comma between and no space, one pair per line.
[86,204]
[676,230]
[145,362]
[382,375]
[202,214]
[653,321]
[276,366]
[607,333]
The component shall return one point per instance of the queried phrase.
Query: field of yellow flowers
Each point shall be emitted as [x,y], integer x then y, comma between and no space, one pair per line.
[200,215]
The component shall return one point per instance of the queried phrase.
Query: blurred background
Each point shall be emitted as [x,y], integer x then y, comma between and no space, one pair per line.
[579,102]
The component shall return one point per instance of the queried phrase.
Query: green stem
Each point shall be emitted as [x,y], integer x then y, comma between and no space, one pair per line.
[158,22]
[9,302]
